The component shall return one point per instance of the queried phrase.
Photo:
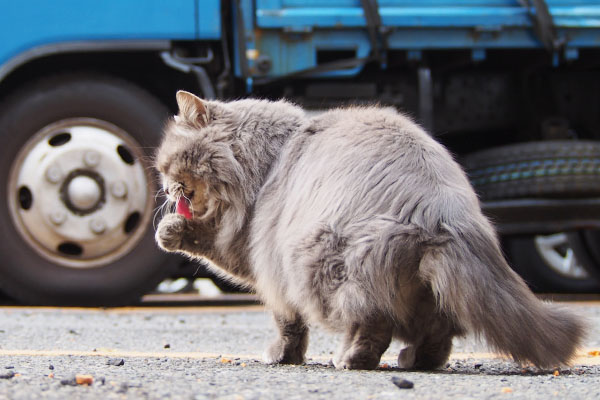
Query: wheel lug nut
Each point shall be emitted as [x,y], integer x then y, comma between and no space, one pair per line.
[91,158]
[118,189]
[53,174]
[97,225]
[58,217]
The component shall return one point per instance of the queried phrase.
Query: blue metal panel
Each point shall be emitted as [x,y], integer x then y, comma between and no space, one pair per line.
[424,13]
[299,52]
[287,55]
[424,39]
[584,16]
[393,16]
[29,23]
[414,26]
[209,19]
[247,10]
[290,56]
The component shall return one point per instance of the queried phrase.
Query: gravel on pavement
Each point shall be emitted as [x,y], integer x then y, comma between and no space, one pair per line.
[214,353]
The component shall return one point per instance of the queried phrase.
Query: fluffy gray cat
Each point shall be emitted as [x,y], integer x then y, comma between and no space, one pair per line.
[355,219]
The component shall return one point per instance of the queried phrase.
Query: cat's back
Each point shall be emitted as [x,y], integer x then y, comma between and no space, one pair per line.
[363,139]
[373,118]
[355,162]
[360,129]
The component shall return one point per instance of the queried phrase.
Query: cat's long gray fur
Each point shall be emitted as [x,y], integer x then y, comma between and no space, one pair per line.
[355,219]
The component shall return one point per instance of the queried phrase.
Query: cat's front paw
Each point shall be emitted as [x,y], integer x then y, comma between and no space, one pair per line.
[356,360]
[279,353]
[170,232]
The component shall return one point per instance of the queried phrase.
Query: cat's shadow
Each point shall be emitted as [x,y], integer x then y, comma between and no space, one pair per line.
[468,370]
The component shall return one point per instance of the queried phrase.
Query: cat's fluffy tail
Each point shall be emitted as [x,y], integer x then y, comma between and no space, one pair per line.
[472,281]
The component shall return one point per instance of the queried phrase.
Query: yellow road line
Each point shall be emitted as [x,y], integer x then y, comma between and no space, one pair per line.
[133,310]
[117,352]
[582,358]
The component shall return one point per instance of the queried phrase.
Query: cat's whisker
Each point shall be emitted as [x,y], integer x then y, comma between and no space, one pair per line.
[160,192]
[149,166]
[158,210]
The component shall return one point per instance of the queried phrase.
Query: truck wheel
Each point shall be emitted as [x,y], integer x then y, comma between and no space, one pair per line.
[536,169]
[77,193]
[551,169]
[548,263]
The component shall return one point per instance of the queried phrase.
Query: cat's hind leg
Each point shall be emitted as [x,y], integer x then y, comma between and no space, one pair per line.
[291,345]
[429,335]
[345,345]
[429,353]
[363,345]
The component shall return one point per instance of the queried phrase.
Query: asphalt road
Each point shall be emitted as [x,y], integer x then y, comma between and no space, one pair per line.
[203,352]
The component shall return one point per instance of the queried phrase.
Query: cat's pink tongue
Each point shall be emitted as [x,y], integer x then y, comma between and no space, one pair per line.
[183,208]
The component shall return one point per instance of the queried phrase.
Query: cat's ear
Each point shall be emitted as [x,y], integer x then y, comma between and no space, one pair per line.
[192,108]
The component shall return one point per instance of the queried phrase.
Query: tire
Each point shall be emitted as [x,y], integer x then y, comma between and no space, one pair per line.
[549,264]
[555,169]
[77,193]
[549,169]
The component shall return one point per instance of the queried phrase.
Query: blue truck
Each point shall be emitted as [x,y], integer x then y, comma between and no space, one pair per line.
[511,87]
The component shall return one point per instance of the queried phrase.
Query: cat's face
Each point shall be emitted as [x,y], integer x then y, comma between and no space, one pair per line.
[189,193]
[184,160]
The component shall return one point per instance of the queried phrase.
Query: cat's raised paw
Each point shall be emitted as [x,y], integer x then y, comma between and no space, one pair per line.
[170,231]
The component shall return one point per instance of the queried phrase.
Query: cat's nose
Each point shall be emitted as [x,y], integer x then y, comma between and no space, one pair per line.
[167,191]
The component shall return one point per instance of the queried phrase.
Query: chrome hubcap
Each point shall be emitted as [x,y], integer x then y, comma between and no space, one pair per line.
[83,192]
[79,194]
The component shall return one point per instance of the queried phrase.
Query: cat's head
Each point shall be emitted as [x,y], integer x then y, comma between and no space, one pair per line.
[196,160]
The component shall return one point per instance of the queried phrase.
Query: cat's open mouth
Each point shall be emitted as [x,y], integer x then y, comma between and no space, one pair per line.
[183,207]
